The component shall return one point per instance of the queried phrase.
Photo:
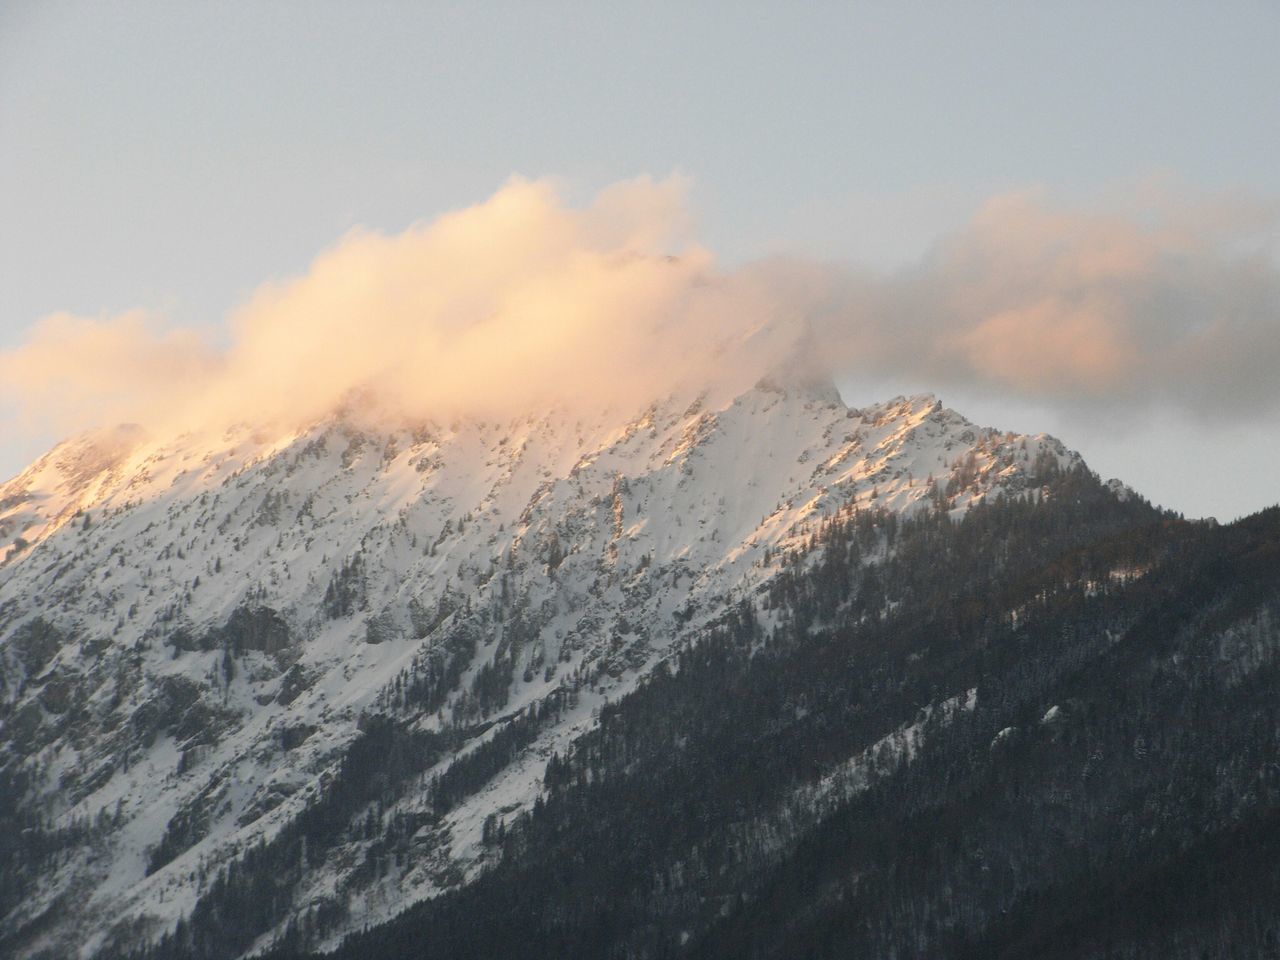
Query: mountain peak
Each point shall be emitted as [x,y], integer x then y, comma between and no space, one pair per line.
[821,389]
[197,604]
[915,405]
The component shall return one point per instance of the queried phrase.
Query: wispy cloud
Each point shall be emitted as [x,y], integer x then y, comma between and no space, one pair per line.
[1171,302]
[523,301]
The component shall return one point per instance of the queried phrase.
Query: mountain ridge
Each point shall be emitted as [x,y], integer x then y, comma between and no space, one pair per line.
[193,632]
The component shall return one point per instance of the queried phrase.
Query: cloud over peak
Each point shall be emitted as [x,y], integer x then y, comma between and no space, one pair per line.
[523,301]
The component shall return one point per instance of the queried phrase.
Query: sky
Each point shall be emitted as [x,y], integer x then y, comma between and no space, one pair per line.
[1059,218]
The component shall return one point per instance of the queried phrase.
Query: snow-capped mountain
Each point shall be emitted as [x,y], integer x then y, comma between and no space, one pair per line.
[194,632]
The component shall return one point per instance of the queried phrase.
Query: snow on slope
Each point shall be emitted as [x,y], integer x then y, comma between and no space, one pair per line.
[142,686]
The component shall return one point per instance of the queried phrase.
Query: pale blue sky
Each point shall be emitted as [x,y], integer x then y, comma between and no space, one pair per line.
[173,156]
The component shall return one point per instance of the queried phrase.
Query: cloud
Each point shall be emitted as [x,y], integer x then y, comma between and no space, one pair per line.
[74,371]
[509,305]
[1176,303]
[523,301]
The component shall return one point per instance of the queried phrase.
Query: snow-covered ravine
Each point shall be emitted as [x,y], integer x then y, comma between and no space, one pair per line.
[191,629]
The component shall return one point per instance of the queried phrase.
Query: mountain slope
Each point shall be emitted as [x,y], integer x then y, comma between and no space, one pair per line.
[1060,741]
[364,647]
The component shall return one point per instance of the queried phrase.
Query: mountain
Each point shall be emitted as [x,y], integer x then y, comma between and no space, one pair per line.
[608,685]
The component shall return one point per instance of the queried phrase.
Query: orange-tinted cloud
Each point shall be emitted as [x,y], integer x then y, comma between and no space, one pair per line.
[523,301]
[513,304]
[76,371]
[1177,303]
